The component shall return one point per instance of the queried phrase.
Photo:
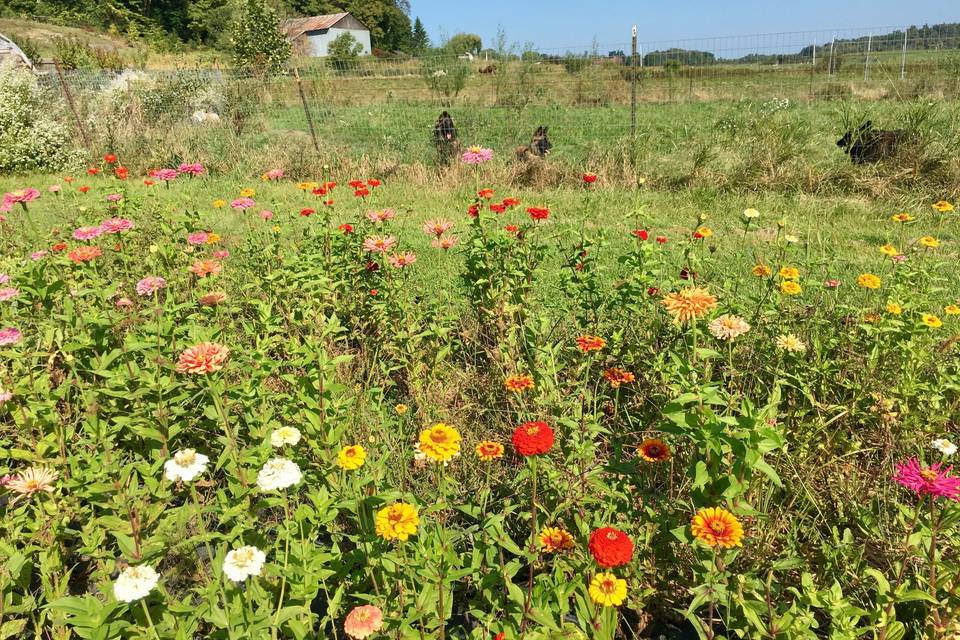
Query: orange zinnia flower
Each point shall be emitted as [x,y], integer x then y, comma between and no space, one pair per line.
[488,451]
[555,539]
[518,383]
[616,376]
[203,358]
[715,526]
[590,343]
[204,268]
[84,254]
[689,304]
[654,450]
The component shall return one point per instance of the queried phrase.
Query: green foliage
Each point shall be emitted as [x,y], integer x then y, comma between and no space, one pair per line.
[463,43]
[344,51]
[445,77]
[73,53]
[28,46]
[420,40]
[257,42]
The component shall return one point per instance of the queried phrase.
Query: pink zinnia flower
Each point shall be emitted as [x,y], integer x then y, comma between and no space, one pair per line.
[900,258]
[54,188]
[379,244]
[4,278]
[124,303]
[400,260]
[221,254]
[477,155]
[831,284]
[8,293]
[363,621]
[928,481]
[22,195]
[115,225]
[114,197]
[437,227]
[198,237]
[203,358]
[242,203]
[164,174]
[150,284]
[9,336]
[381,216]
[445,242]
[37,255]
[266,215]
[273,174]
[5,396]
[192,168]
[87,233]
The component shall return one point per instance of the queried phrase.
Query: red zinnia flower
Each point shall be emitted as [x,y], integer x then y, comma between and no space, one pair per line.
[486,194]
[60,246]
[319,191]
[356,184]
[148,182]
[83,189]
[373,292]
[652,291]
[361,192]
[538,213]
[109,158]
[610,547]
[473,210]
[511,228]
[121,173]
[589,178]
[640,233]
[346,227]
[661,239]
[511,202]
[307,212]
[533,438]
[373,182]
[92,171]
[498,208]
[328,203]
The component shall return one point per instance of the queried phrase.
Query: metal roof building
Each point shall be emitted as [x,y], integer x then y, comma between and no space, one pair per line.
[312,36]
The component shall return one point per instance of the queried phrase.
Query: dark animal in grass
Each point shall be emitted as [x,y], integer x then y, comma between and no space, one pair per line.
[488,70]
[867,144]
[445,138]
[538,148]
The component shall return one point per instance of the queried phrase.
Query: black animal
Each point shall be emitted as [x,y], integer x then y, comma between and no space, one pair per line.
[867,144]
[539,146]
[490,69]
[445,138]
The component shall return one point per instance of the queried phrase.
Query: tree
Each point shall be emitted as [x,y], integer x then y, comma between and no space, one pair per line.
[464,43]
[257,41]
[420,40]
[343,50]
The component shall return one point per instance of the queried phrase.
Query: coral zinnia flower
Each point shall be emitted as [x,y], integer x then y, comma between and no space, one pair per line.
[203,358]
[791,343]
[929,242]
[379,244]
[488,451]
[518,383]
[363,621]
[486,193]
[790,288]
[607,590]
[587,344]
[942,206]
[533,438]
[212,299]
[401,260]
[437,227]
[715,526]
[654,450]
[931,321]
[381,216]
[351,457]
[555,539]
[689,304]
[440,443]
[616,376]
[31,481]
[868,281]
[204,268]
[928,481]
[789,273]
[610,547]
[761,270]
[446,242]
[84,254]
[727,327]
[397,522]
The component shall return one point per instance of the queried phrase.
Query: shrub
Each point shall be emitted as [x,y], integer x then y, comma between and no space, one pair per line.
[30,140]
[72,53]
[257,41]
[445,78]
[28,46]
[343,51]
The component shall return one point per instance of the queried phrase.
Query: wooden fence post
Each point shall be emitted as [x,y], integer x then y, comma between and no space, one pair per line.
[306,110]
[73,107]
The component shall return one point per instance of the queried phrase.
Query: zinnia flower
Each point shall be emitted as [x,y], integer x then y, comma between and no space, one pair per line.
[203,358]
[727,327]
[789,273]
[931,321]
[381,216]
[703,232]
[150,285]
[751,214]
[587,343]
[437,227]
[477,155]
[488,451]
[889,250]
[555,539]
[397,521]
[518,383]
[446,242]
[191,168]
[363,621]
[247,192]
[791,343]
[533,438]
[87,233]
[538,213]
[278,473]
[243,203]
[164,174]
[8,293]
[589,178]
[219,203]
[928,481]
[115,225]
[198,237]
[84,254]
[204,268]
[689,304]
[902,217]
[379,244]
[616,376]
[952,310]
[185,465]
[440,443]
[929,242]
[894,308]
[942,206]
[944,446]
[610,547]
[243,562]
[284,436]
[607,590]
[654,450]
[761,270]
[351,457]
[135,583]
[790,288]
[9,336]
[273,174]
[31,481]
[401,260]
[715,526]
[212,299]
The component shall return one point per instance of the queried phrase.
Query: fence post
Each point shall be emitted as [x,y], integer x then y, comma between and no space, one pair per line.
[73,107]
[903,56]
[830,64]
[633,83]
[866,61]
[306,109]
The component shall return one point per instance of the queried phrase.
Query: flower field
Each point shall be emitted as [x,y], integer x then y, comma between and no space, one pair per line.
[336,406]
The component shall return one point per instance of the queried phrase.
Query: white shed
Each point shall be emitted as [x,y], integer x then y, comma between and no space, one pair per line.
[312,36]
[9,51]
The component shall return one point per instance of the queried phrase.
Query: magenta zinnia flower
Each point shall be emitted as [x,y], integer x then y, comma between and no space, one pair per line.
[150,284]
[928,481]
[273,174]
[242,203]
[115,225]
[198,237]
[9,336]
[192,168]
[164,174]
[477,155]
[379,244]
[87,233]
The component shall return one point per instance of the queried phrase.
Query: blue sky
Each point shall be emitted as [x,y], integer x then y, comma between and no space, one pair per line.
[574,24]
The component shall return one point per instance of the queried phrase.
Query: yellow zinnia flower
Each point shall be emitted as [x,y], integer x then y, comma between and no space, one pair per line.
[488,451]
[247,193]
[894,308]
[607,590]
[902,217]
[704,232]
[351,457]
[789,273]
[219,204]
[440,442]
[761,270]
[790,288]
[889,250]
[555,539]
[213,238]
[715,526]
[952,310]
[400,409]
[868,281]
[942,206]
[929,242]
[689,304]
[931,321]
[306,186]
[398,521]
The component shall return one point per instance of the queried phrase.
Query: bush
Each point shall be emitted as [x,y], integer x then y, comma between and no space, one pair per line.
[28,46]
[72,53]
[29,139]
[446,79]
[257,42]
[343,51]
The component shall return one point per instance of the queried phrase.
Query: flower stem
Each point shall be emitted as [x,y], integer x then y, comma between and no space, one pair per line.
[146,612]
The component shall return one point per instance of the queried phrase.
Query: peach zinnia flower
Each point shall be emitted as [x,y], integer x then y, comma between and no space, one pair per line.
[84,254]
[715,526]
[437,227]
[363,621]
[518,383]
[212,299]
[379,244]
[203,358]
[31,481]
[689,304]
[204,268]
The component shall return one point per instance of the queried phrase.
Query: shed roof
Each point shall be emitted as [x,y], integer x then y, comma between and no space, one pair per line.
[295,27]
[9,48]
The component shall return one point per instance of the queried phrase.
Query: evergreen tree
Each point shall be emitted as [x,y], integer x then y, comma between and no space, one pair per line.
[421,41]
[257,41]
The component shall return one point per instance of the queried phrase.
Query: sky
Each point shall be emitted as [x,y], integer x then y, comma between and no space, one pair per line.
[574,25]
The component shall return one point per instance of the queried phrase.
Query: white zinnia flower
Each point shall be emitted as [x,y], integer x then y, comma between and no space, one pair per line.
[185,465]
[944,446]
[728,327]
[278,473]
[751,213]
[791,343]
[134,583]
[240,564]
[284,435]
[792,239]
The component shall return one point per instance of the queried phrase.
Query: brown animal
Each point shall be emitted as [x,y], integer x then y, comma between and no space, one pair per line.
[538,148]
[445,138]
[867,144]
[489,69]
